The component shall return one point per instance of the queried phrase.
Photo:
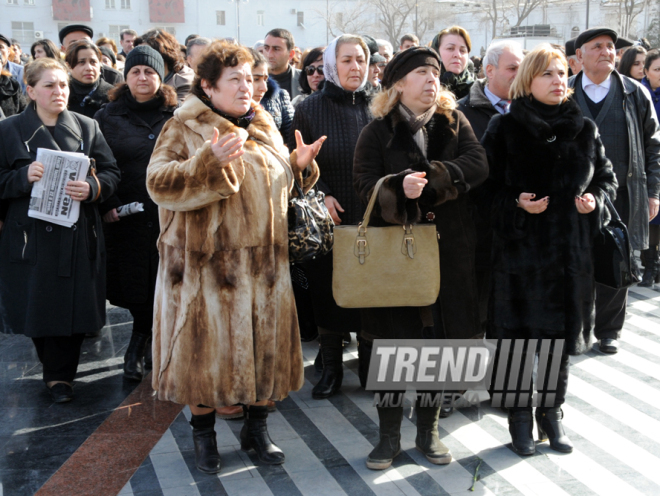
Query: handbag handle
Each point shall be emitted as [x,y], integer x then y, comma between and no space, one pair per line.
[372,202]
[610,207]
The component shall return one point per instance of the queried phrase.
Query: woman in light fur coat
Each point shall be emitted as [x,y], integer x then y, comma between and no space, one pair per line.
[225,324]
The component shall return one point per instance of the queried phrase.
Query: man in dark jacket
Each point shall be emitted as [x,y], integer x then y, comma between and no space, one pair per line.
[278,49]
[630,133]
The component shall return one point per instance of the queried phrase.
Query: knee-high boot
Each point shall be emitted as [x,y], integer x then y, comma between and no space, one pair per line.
[333,372]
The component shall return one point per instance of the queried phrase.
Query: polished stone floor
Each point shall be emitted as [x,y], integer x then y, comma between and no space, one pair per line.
[612,415]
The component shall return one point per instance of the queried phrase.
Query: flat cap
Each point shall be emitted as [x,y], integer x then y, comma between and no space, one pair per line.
[623,43]
[75,27]
[570,47]
[592,33]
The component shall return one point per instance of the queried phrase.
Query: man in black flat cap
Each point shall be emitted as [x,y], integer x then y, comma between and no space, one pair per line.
[76,32]
[574,65]
[629,130]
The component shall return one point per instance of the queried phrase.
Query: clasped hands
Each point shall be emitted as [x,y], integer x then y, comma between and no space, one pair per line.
[584,204]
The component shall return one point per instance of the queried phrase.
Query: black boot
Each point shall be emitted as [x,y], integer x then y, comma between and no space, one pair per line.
[389,445]
[427,440]
[207,457]
[521,426]
[254,436]
[364,358]
[652,268]
[133,368]
[333,372]
[318,362]
[548,423]
[148,357]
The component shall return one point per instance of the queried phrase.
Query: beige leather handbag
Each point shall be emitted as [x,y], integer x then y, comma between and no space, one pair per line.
[394,266]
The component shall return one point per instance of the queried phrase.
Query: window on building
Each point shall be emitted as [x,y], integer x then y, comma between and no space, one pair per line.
[12,2]
[114,31]
[220,17]
[126,4]
[260,18]
[28,2]
[167,29]
[109,4]
[301,19]
[23,32]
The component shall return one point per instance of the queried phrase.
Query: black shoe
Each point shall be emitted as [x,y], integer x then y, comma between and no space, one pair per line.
[254,436]
[445,411]
[207,458]
[609,346]
[521,426]
[333,372]
[61,392]
[133,368]
[548,423]
[652,267]
[389,445]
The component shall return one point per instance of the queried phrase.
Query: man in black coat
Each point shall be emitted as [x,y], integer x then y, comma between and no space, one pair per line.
[629,130]
[487,98]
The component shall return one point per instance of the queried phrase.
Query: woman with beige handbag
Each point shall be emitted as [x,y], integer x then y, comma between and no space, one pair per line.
[432,158]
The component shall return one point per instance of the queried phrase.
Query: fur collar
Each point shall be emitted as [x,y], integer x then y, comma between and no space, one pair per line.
[439,131]
[477,96]
[340,95]
[565,126]
[201,119]
[273,92]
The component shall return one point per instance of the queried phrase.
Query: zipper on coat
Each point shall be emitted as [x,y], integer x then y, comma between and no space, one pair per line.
[25,238]
[94,230]
[354,98]
[26,142]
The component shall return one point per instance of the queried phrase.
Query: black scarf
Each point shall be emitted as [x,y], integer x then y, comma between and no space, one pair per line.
[148,111]
[458,84]
[563,121]
[83,91]
[242,121]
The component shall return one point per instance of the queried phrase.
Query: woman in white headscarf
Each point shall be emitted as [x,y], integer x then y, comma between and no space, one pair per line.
[339,111]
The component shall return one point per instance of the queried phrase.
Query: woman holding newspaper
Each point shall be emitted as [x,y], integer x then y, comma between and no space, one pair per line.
[52,277]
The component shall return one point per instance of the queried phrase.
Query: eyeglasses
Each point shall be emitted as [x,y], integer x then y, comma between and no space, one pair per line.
[309,70]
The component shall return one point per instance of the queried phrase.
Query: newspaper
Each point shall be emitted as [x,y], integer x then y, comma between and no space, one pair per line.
[49,201]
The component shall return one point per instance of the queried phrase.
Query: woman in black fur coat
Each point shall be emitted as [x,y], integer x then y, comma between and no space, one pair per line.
[544,197]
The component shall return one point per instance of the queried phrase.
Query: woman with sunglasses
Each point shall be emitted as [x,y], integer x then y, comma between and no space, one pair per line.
[311,76]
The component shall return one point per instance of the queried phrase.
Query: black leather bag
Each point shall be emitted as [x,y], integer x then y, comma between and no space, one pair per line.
[310,226]
[613,264]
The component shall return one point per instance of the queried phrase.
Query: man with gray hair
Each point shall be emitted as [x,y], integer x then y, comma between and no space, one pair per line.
[194,49]
[490,95]
[385,49]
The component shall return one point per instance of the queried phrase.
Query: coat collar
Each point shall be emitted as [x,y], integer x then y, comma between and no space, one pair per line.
[629,86]
[565,126]
[477,97]
[201,120]
[340,95]
[68,133]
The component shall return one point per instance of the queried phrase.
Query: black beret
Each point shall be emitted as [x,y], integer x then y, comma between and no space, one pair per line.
[5,40]
[623,43]
[75,27]
[406,61]
[592,33]
[570,47]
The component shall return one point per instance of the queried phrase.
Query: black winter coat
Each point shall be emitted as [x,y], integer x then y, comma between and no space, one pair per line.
[52,278]
[277,103]
[93,104]
[455,163]
[132,241]
[543,284]
[12,101]
[340,115]
[477,108]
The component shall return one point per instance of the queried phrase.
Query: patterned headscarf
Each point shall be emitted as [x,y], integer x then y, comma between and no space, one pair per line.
[330,64]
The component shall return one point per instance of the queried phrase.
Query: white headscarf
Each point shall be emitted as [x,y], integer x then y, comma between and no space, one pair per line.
[330,65]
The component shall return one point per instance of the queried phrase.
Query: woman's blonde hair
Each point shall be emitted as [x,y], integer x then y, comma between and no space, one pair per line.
[385,101]
[533,65]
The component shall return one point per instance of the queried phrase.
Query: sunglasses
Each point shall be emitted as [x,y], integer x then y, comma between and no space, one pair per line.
[309,70]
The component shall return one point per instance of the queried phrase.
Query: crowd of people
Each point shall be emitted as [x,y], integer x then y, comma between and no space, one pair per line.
[513,157]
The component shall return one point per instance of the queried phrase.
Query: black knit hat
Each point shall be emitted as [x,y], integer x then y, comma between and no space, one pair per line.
[75,27]
[109,53]
[407,61]
[145,55]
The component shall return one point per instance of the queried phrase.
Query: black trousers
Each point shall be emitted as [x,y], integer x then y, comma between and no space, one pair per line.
[610,311]
[59,356]
[522,393]
[143,318]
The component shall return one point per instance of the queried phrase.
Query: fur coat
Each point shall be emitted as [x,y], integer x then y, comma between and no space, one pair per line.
[225,324]
[543,284]
[455,163]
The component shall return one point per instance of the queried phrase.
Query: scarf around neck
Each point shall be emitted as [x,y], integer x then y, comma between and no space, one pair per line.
[458,84]
[242,121]
[416,124]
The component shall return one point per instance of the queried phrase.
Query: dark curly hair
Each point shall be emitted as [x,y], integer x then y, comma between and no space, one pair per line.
[165,44]
[310,58]
[215,58]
